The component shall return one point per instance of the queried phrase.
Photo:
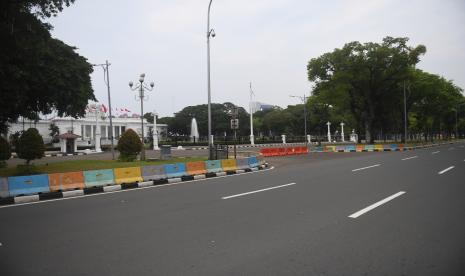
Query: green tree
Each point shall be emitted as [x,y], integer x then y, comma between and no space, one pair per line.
[54,131]
[38,73]
[5,151]
[367,74]
[129,145]
[30,145]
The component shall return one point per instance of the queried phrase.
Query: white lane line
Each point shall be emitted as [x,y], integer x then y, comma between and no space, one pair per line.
[377,204]
[258,191]
[364,168]
[445,170]
[451,148]
[435,152]
[412,157]
[136,189]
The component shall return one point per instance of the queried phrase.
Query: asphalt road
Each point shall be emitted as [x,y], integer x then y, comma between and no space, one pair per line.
[390,213]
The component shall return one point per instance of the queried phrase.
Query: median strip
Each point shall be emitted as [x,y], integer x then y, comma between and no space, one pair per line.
[446,170]
[364,168]
[377,204]
[412,157]
[258,191]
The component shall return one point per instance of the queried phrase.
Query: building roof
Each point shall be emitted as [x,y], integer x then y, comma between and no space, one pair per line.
[68,136]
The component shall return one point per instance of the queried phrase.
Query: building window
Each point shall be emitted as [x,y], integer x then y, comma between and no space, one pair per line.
[123,129]
[117,132]
[88,131]
[103,131]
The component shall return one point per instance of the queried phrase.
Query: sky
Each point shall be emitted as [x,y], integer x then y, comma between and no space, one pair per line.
[266,42]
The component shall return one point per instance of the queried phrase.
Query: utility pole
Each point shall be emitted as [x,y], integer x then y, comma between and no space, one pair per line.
[210,33]
[252,140]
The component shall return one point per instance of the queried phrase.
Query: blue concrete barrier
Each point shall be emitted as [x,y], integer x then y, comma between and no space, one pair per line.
[340,148]
[26,185]
[98,178]
[175,170]
[318,149]
[213,166]
[242,163]
[253,162]
[350,148]
[4,187]
[393,147]
[153,172]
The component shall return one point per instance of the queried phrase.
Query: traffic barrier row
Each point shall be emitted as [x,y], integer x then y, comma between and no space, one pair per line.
[56,182]
[369,148]
[267,152]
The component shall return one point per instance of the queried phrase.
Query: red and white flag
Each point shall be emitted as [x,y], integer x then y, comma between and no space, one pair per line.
[103,108]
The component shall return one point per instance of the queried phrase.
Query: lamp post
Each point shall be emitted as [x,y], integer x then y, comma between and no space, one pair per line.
[210,33]
[155,131]
[342,131]
[106,79]
[141,88]
[252,140]
[304,101]
[329,131]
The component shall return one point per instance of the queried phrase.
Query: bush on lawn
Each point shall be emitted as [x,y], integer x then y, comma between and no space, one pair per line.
[129,146]
[5,152]
[30,145]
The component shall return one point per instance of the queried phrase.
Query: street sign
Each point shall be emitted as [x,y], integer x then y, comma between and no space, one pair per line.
[234,123]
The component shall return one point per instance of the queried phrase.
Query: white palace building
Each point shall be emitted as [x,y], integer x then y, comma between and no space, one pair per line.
[85,129]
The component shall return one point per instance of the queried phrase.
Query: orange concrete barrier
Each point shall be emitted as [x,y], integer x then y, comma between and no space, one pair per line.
[127,175]
[194,168]
[291,151]
[265,152]
[281,151]
[66,181]
[359,148]
[400,147]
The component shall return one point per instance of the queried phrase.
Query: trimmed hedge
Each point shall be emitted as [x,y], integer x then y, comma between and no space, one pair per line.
[129,145]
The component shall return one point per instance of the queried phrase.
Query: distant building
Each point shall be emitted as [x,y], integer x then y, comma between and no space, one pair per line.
[258,106]
[86,128]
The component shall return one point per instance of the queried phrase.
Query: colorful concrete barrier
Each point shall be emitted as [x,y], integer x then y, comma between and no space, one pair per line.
[196,168]
[97,178]
[127,175]
[66,181]
[359,148]
[175,170]
[379,147]
[350,148]
[340,148]
[4,187]
[393,147]
[213,166]
[154,172]
[369,148]
[242,164]
[330,148]
[318,149]
[400,147]
[253,162]
[26,185]
[228,165]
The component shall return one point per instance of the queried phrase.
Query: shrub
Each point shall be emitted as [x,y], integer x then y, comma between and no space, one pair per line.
[5,152]
[129,145]
[30,145]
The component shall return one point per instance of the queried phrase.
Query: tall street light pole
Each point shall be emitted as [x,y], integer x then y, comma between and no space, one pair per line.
[141,87]
[252,139]
[405,116]
[304,101]
[106,78]
[210,33]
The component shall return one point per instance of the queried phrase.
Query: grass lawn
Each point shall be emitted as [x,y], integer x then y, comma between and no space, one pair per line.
[85,165]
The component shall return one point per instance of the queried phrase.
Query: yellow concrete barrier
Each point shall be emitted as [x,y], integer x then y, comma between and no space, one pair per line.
[228,165]
[127,175]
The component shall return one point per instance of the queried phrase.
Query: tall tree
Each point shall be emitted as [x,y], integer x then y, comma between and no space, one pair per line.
[38,73]
[367,73]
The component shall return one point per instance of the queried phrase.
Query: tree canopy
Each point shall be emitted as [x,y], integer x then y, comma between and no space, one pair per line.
[367,75]
[39,74]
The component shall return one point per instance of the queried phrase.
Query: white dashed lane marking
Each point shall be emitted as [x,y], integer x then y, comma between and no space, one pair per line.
[446,170]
